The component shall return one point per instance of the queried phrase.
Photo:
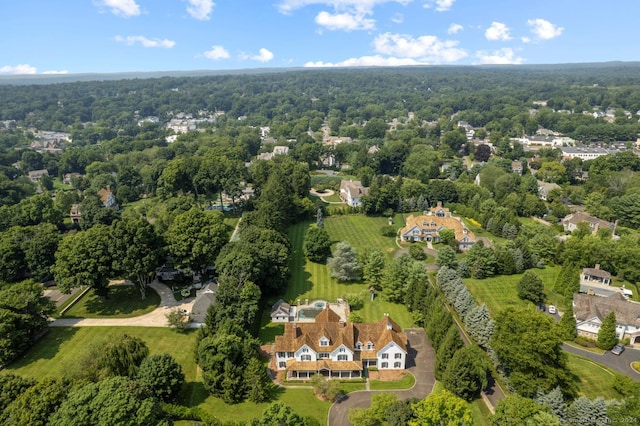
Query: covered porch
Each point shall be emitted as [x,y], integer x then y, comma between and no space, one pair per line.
[299,370]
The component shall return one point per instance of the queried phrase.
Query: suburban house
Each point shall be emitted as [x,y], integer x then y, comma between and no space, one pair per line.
[591,310]
[75,214]
[339,349]
[67,178]
[516,167]
[36,175]
[108,199]
[282,311]
[277,150]
[571,221]
[427,227]
[596,281]
[351,192]
[545,188]
[204,299]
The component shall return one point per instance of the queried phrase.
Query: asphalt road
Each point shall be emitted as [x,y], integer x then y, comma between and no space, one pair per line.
[620,363]
[420,363]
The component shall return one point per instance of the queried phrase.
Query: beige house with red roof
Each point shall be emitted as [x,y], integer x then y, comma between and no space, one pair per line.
[427,227]
[339,349]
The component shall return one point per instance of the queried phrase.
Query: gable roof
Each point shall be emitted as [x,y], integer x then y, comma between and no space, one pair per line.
[280,308]
[353,188]
[379,333]
[447,222]
[596,272]
[587,306]
[576,218]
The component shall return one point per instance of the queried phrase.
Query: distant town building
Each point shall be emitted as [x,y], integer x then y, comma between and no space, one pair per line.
[585,153]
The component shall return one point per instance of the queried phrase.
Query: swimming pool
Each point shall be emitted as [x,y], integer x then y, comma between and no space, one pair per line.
[309,313]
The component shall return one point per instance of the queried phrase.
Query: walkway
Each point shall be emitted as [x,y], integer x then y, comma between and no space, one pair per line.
[156,318]
[620,363]
[420,363]
[326,193]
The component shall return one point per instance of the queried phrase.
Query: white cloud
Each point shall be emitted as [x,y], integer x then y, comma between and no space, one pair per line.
[428,48]
[200,9]
[217,52]
[265,55]
[506,55]
[146,42]
[440,5]
[288,6]
[368,61]
[398,18]
[125,8]
[497,31]
[56,72]
[18,69]
[544,29]
[525,39]
[344,21]
[455,28]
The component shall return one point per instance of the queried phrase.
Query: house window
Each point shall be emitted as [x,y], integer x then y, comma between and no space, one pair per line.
[282,365]
[324,355]
[358,346]
[290,355]
[343,357]
[341,350]
[305,350]
[396,365]
[385,356]
[280,354]
[385,365]
[369,345]
[305,358]
[398,356]
[324,342]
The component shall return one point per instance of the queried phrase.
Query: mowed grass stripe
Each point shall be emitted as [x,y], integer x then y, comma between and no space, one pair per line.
[313,281]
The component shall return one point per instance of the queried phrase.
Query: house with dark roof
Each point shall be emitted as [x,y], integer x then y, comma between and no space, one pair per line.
[205,297]
[591,310]
[339,349]
[427,227]
[36,175]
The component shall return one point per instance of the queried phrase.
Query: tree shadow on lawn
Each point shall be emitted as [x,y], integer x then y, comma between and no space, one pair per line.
[47,347]
[303,285]
[193,394]
[121,300]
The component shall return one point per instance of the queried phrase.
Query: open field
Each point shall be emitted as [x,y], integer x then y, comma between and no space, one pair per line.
[312,280]
[124,301]
[500,292]
[58,352]
[594,379]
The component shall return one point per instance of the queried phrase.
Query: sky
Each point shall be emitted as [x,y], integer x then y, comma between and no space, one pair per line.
[105,36]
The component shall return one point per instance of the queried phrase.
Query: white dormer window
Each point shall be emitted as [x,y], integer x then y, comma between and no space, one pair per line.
[324,342]
[369,345]
[358,346]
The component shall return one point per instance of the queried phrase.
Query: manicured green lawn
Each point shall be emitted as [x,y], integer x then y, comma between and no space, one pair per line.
[58,352]
[312,280]
[124,301]
[500,292]
[593,379]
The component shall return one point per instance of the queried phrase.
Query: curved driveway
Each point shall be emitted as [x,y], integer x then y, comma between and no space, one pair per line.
[620,363]
[420,363]
[155,318]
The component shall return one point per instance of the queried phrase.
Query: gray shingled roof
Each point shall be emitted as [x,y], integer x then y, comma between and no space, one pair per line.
[587,306]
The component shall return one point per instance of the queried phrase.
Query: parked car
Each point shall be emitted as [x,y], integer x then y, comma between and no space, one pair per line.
[552,309]
[542,307]
[617,349]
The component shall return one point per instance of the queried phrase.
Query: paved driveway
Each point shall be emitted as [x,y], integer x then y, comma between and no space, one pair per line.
[156,318]
[420,363]
[620,363]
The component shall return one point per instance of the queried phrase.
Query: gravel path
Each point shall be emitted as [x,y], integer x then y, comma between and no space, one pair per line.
[156,318]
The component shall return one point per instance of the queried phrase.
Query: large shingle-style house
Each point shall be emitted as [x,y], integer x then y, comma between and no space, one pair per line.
[597,282]
[571,221]
[339,349]
[427,227]
[351,192]
[591,310]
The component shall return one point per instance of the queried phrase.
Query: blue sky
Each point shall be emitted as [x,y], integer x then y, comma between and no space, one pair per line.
[78,36]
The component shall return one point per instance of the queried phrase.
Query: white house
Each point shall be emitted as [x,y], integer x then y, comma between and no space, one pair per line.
[351,192]
[339,349]
[591,310]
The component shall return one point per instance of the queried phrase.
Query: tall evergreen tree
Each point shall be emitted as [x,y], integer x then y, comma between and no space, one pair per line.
[607,337]
[343,264]
[451,343]
[567,323]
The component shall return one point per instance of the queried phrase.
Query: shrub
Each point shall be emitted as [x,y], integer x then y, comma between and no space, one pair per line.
[388,231]
[417,252]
